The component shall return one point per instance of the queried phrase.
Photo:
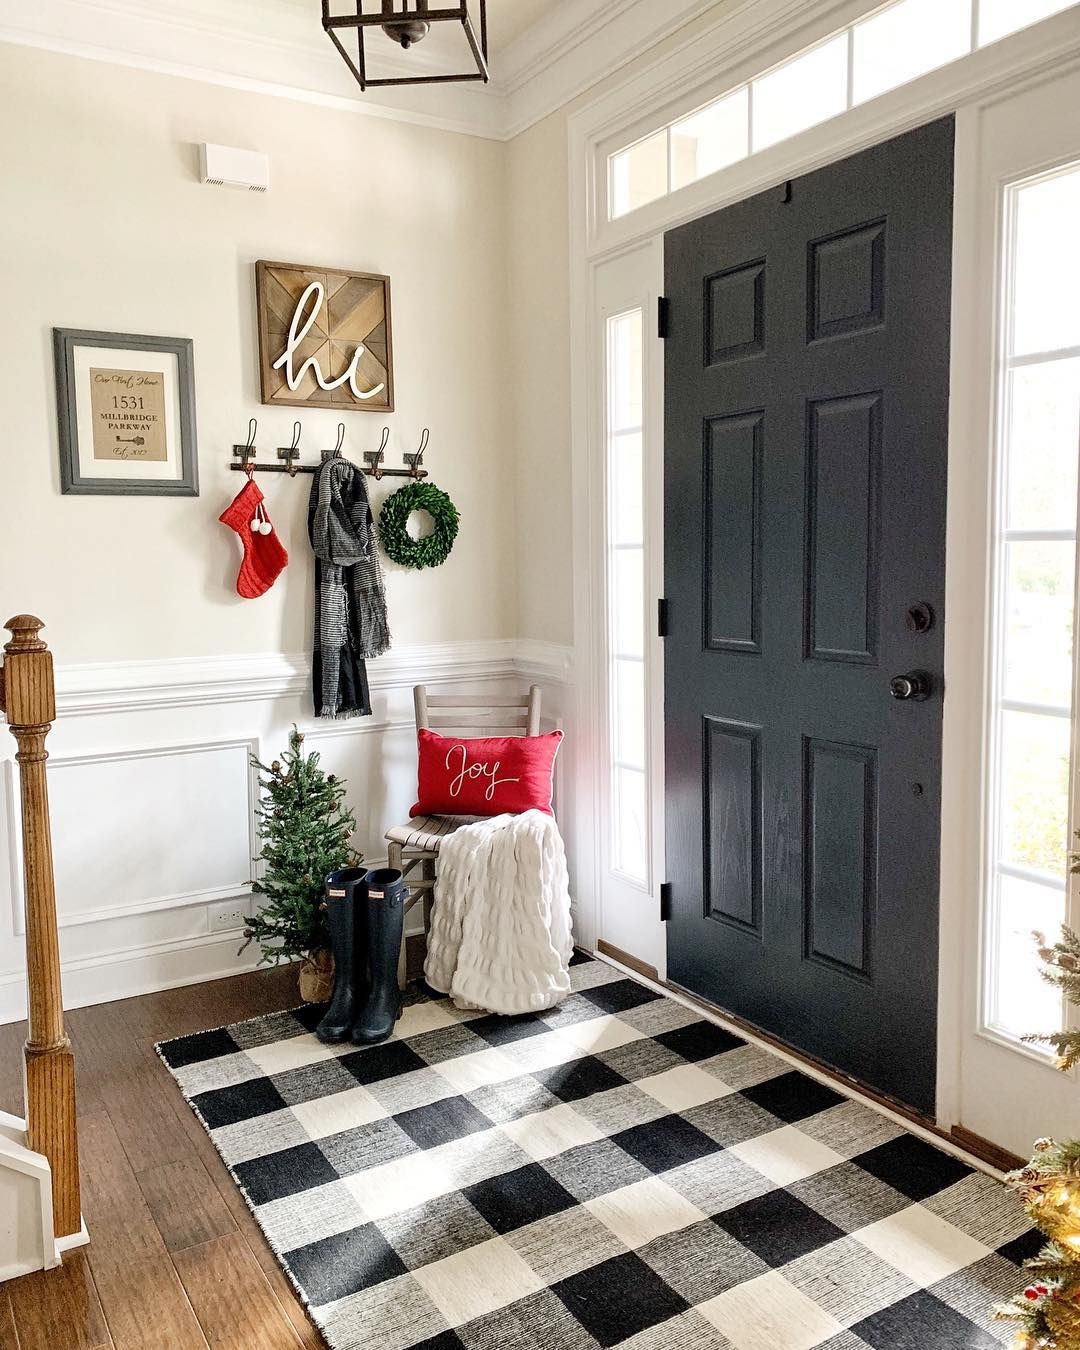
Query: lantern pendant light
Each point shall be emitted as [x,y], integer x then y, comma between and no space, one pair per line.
[407,22]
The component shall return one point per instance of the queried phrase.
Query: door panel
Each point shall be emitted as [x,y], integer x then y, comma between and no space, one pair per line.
[733,809]
[843,454]
[732,573]
[806,396]
[840,833]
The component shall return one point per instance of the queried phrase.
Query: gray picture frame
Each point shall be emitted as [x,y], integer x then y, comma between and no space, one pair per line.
[72,478]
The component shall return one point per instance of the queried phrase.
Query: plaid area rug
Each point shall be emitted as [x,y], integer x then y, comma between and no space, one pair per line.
[616,1172]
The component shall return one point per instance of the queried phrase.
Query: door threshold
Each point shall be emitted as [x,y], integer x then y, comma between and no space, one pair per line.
[972,1148]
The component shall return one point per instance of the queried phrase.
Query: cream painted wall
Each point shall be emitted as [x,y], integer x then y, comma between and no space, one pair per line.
[539,253]
[106,226]
[539,250]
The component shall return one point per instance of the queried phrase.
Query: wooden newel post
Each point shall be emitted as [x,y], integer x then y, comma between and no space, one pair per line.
[29,703]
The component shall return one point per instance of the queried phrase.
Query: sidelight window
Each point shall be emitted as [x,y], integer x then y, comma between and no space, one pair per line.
[626,597]
[890,46]
[1034,602]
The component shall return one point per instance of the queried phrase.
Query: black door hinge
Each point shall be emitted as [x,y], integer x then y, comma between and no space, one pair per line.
[663,316]
[661,618]
[665,901]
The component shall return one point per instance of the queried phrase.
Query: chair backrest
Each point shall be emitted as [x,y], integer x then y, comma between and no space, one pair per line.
[478,714]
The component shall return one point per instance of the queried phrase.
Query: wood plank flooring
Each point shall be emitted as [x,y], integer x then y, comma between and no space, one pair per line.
[175,1261]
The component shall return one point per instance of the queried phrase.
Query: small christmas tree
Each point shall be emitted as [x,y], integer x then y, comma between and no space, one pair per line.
[305,829]
[1048,1310]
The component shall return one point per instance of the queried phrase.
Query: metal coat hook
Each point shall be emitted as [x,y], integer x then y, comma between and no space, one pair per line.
[247,452]
[291,453]
[340,438]
[416,461]
[374,458]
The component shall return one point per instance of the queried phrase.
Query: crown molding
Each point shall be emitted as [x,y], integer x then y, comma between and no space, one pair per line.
[280,51]
[577,46]
[277,50]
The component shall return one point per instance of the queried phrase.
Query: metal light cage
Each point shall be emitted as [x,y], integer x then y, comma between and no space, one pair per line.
[376,13]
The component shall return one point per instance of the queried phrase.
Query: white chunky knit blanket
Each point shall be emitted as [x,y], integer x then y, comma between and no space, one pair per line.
[500,926]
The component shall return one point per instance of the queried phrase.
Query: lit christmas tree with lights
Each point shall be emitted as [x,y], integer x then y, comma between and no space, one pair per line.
[1048,1309]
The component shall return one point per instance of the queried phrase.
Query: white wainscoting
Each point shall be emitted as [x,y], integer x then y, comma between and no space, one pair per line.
[152,797]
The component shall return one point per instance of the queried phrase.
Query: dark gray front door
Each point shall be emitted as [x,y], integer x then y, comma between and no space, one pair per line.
[806,395]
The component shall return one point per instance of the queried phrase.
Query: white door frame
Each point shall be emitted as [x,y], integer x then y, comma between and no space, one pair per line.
[757,34]
[1030,1096]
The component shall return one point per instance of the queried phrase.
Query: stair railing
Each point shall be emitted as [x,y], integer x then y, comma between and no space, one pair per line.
[28,701]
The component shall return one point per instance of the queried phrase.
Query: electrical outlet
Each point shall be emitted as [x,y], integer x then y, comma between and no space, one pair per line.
[228,915]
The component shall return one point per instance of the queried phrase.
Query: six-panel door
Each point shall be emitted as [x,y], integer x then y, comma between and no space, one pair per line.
[806,396]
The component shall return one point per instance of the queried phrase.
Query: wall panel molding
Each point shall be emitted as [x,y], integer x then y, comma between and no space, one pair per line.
[226,889]
[145,715]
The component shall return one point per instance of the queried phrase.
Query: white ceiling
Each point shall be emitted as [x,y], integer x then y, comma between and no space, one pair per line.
[542,52]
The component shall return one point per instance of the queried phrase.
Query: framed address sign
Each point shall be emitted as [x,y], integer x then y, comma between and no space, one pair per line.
[324,337]
[126,408]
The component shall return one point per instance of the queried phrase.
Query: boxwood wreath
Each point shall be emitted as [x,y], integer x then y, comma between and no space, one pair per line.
[398,544]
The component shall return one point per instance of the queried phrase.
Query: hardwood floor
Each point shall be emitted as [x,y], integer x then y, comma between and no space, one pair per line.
[175,1260]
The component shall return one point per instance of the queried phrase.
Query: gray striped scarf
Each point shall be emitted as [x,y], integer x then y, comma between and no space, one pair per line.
[350,602]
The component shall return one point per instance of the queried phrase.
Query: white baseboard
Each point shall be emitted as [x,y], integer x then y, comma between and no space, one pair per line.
[140,970]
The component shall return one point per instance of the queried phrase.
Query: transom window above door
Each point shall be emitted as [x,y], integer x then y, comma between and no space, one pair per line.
[885,49]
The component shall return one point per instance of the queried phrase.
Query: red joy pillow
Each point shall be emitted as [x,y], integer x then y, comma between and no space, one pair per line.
[486,776]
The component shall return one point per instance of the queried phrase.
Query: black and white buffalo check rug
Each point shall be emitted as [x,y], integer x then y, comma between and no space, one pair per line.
[616,1172]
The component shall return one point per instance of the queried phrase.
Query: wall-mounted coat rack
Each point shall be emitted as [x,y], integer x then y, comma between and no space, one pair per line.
[245,456]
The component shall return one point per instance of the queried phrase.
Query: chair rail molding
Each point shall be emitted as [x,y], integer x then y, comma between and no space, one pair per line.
[88,690]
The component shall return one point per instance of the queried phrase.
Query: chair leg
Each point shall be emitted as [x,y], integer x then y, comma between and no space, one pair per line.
[394,857]
[429,895]
[403,964]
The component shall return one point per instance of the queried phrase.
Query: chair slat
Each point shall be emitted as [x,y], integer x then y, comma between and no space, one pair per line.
[477,732]
[474,701]
[456,717]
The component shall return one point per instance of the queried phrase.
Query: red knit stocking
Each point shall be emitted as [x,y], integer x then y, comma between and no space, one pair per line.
[264,554]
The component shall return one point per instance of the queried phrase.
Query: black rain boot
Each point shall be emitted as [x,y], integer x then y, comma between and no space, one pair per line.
[345,922]
[385,920]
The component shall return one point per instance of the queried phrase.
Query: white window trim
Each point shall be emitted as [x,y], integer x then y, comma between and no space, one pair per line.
[1004,235]
[722,59]
[611,655]
[757,34]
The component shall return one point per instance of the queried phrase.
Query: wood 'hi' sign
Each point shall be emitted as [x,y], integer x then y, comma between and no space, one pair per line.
[324,338]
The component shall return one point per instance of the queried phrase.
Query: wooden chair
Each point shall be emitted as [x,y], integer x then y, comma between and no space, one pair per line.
[414,846]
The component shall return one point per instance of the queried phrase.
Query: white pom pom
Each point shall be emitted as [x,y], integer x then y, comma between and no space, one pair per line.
[266,527]
[256,525]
